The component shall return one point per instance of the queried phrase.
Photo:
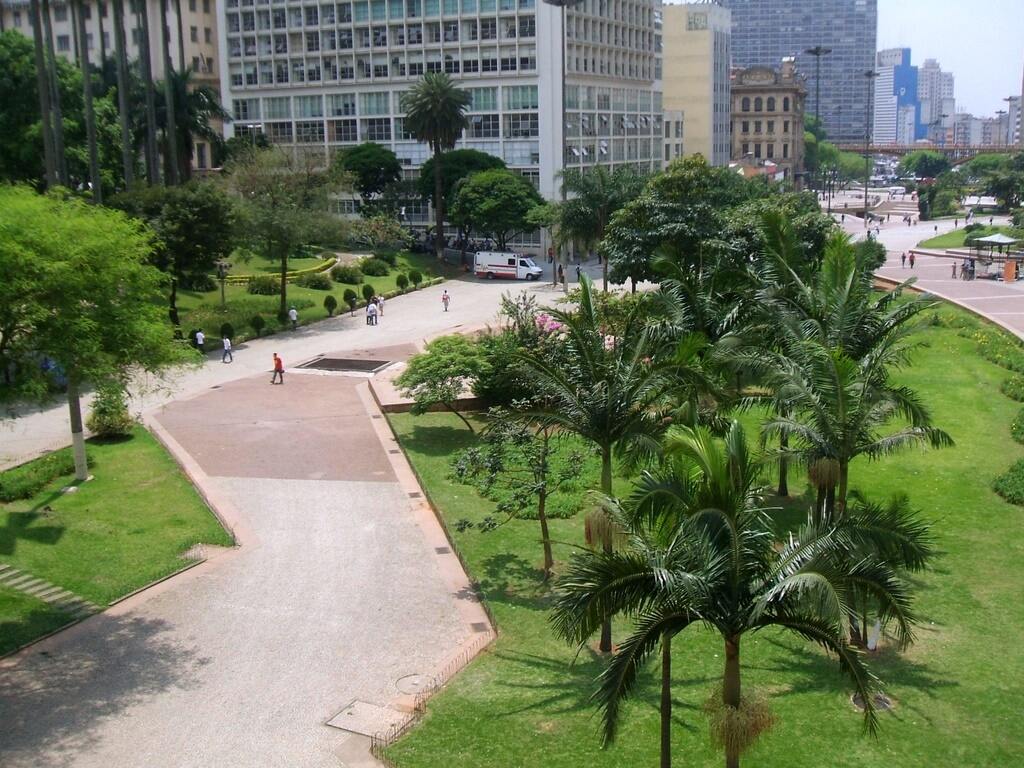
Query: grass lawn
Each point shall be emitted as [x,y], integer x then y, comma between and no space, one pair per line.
[957,691]
[955,239]
[120,531]
[202,309]
[24,618]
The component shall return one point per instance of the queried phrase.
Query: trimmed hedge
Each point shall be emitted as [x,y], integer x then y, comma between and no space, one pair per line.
[374,267]
[291,275]
[1010,484]
[347,273]
[26,480]
[1017,427]
[1013,388]
[318,281]
[263,285]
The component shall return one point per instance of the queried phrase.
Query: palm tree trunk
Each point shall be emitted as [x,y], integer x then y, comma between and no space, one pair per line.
[145,56]
[819,505]
[282,311]
[731,690]
[783,479]
[844,480]
[171,125]
[181,37]
[90,114]
[606,489]
[545,536]
[77,434]
[43,86]
[438,205]
[666,701]
[58,114]
[99,30]
[123,109]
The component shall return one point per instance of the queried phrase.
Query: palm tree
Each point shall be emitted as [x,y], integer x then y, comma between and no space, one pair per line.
[609,391]
[58,113]
[90,114]
[123,103]
[593,197]
[170,124]
[145,57]
[435,113]
[43,86]
[731,577]
[194,108]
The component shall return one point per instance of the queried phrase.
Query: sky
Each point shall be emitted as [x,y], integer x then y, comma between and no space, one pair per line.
[980,41]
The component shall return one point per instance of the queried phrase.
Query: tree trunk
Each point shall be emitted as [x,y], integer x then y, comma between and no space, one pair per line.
[819,506]
[451,407]
[731,689]
[830,503]
[545,536]
[123,108]
[170,125]
[77,435]
[783,479]
[844,480]
[43,86]
[438,205]
[283,309]
[181,37]
[666,701]
[90,114]
[145,57]
[58,113]
[172,310]
[99,31]
[606,489]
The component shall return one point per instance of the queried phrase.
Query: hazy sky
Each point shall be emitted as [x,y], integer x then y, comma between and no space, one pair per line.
[980,41]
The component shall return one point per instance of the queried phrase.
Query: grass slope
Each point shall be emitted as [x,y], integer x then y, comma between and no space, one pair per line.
[955,239]
[957,690]
[120,531]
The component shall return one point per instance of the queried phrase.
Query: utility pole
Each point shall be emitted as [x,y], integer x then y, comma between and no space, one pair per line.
[870,75]
[817,52]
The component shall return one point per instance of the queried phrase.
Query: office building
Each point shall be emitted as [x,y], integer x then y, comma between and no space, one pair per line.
[1013,121]
[195,47]
[766,31]
[768,119]
[319,78]
[938,105]
[897,112]
[696,80]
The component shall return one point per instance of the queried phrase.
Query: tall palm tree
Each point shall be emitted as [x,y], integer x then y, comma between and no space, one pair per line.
[58,113]
[43,86]
[181,36]
[145,57]
[90,113]
[592,199]
[435,113]
[123,102]
[194,109]
[170,123]
[707,496]
[609,391]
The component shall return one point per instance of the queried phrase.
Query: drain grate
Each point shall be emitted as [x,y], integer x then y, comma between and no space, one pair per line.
[346,364]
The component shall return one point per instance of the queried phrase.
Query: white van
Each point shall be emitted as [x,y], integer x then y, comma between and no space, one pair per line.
[492,264]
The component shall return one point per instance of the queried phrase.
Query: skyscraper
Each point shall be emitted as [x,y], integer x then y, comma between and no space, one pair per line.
[897,117]
[766,31]
[938,107]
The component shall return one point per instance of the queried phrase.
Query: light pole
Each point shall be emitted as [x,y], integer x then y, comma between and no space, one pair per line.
[870,75]
[817,52]
[222,274]
[999,124]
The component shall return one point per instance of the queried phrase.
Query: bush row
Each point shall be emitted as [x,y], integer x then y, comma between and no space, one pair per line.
[26,480]
[1010,484]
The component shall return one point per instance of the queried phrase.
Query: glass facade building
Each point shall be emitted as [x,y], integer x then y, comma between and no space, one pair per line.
[765,31]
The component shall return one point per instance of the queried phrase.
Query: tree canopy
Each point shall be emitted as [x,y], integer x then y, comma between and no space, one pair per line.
[495,203]
[457,165]
[924,163]
[372,166]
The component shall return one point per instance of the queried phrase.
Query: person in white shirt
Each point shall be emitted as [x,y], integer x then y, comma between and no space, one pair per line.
[380,306]
[200,341]
[227,357]
[371,313]
[293,315]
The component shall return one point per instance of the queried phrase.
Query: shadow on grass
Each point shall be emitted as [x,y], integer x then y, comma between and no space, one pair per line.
[36,623]
[19,526]
[438,441]
[511,580]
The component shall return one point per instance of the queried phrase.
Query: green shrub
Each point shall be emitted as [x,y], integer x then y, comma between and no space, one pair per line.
[374,267]
[330,304]
[1013,388]
[402,281]
[1010,484]
[369,292]
[263,285]
[26,480]
[318,281]
[227,331]
[501,381]
[387,256]
[257,323]
[1017,427]
[109,417]
[202,283]
[415,277]
[350,297]
[347,273]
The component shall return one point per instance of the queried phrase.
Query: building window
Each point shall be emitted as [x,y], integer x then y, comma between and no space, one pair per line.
[757,150]
[342,130]
[785,126]
[745,126]
[771,103]
[757,126]
[785,151]
[277,108]
[192,5]
[64,43]
[488,29]
[206,6]
[309,132]
[521,126]
[771,150]
[518,97]
[193,34]
[279,133]
[771,126]
[485,127]
[200,155]
[758,104]
[746,104]
[247,109]
[207,35]
[377,129]
[374,103]
[309,106]
[527,26]
[785,104]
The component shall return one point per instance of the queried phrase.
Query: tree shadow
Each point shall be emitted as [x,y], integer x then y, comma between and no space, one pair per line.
[438,441]
[510,579]
[54,699]
[20,526]
[789,512]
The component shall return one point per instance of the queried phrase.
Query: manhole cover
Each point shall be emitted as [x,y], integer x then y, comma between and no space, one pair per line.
[346,364]
[366,718]
[880,700]
[412,683]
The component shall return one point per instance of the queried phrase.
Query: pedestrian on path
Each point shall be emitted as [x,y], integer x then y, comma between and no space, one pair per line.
[936,229]
[371,313]
[954,270]
[380,306]
[956,223]
[293,315]
[911,259]
[445,300]
[201,341]
[227,357]
[278,377]
[578,273]
[903,260]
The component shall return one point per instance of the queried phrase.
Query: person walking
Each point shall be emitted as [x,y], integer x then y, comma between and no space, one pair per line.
[911,259]
[227,357]
[371,313]
[293,315]
[380,306]
[445,300]
[201,341]
[278,377]
[578,273]
[903,260]
[954,270]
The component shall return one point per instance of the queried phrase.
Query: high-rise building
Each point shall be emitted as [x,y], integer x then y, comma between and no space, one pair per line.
[766,31]
[897,113]
[195,47]
[938,105]
[696,79]
[319,78]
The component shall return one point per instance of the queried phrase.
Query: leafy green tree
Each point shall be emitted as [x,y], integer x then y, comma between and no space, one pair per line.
[924,163]
[195,228]
[101,318]
[436,114]
[372,166]
[458,164]
[702,551]
[1007,187]
[593,198]
[495,203]
[979,166]
[196,109]
[441,373]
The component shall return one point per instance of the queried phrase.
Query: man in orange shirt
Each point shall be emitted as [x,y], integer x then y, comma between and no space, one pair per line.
[278,377]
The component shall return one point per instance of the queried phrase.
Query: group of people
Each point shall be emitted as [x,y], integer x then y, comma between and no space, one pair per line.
[904,259]
[966,269]
[374,310]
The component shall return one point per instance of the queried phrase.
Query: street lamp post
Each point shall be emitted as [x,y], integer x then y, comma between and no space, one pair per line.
[817,52]
[999,125]
[222,274]
[870,75]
